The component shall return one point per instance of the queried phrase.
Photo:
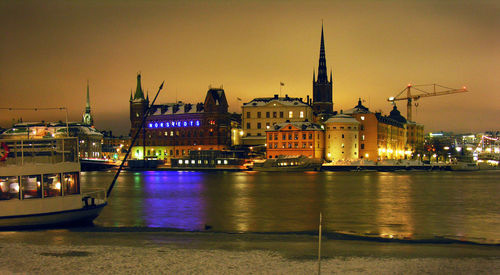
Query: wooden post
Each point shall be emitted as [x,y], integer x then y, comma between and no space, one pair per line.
[319,245]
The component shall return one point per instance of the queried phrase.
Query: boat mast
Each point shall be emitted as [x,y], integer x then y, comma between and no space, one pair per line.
[110,188]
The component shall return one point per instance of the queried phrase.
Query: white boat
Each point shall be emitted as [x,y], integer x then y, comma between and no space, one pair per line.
[464,166]
[289,164]
[40,184]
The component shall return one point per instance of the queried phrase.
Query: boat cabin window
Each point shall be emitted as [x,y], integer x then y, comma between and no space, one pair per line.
[71,183]
[51,185]
[9,188]
[30,186]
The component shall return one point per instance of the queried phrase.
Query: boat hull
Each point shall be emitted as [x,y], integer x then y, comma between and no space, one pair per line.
[76,216]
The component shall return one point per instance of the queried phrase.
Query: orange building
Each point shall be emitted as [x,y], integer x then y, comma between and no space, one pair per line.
[295,139]
[380,137]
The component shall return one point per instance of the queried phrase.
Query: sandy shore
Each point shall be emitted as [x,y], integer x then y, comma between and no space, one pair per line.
[67,252]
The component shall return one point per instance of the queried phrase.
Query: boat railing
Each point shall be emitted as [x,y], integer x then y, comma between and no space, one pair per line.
[94,197]
[43,150]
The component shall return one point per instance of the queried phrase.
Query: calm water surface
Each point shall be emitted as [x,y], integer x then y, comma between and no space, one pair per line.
[406,205]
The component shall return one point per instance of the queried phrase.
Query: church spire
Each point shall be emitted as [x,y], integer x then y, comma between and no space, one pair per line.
[139,94]
[87,106]
[322,75]
[87,116]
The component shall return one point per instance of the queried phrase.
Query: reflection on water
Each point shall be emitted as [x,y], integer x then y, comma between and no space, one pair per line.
[412,205]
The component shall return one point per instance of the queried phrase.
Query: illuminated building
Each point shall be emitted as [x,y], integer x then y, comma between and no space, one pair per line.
[261,114]
[295,139]
[89,139]
[380,137]
[341,138]
[174,129]
[322,88]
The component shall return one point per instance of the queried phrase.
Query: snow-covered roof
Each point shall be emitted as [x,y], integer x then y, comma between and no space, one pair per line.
[342,119]
[286,101]
[177,108]
[303,125]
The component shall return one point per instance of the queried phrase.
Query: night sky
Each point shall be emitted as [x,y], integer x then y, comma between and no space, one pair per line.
[375,48]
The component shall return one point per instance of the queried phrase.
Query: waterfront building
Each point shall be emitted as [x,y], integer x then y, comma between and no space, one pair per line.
[174,129]
[341,138]
[89,139]
[380,137]
[114,147]
[295,139]
[261,114]
[322,87]
[415,138]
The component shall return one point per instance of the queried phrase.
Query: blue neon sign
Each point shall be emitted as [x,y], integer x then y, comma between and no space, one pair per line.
[168,124]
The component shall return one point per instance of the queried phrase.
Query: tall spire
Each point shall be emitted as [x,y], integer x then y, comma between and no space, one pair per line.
[322,76]
[87,116]
[138,91]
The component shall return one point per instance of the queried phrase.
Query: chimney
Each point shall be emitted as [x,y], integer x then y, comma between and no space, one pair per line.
[307,99]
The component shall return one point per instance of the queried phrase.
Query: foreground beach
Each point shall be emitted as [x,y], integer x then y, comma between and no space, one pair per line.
[74,251]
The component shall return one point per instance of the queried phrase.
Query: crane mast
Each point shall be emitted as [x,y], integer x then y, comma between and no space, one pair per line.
[419,92]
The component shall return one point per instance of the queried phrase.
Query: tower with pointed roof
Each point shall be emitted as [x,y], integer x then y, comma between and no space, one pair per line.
[138,107]
[87,116]
[322,87]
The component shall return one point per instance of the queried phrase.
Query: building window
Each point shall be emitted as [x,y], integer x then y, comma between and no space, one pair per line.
[301,114]
[275,145]
[310,135]
[362,127]
[342,145]
[274,114]
[248,114]
[342,135]
[267,115]
[267,125]
[362,117]
[296,136]
[275,136]
[248,125]
[362,146]
[303,145]
[341,127]
[303,136]
[258,114]
[362,137]
[296,145]
[281,114]
[259,134]
[289,136]
[283,136]
[290,114]
[289,145]
[258,125]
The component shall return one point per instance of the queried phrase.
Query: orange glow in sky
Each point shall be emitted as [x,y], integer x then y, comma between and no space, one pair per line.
[375,48]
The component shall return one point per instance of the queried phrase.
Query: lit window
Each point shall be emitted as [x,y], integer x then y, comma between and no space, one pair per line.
[301,114]
[363,137]
[362,117]
[225,161]
[180,161]
[290,114]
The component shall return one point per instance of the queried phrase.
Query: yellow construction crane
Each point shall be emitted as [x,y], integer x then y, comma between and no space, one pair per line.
[420,92]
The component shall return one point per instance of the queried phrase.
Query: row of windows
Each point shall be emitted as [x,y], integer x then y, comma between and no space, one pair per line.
[38,186]
[275,114]
[291,136]
[342,127]
[289,145]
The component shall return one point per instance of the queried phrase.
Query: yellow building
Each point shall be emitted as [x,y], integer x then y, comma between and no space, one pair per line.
[295,139]
[261,114]
[380,137]
[341,138]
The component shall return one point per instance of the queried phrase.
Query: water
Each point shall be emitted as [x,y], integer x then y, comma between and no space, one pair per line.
[400,205]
